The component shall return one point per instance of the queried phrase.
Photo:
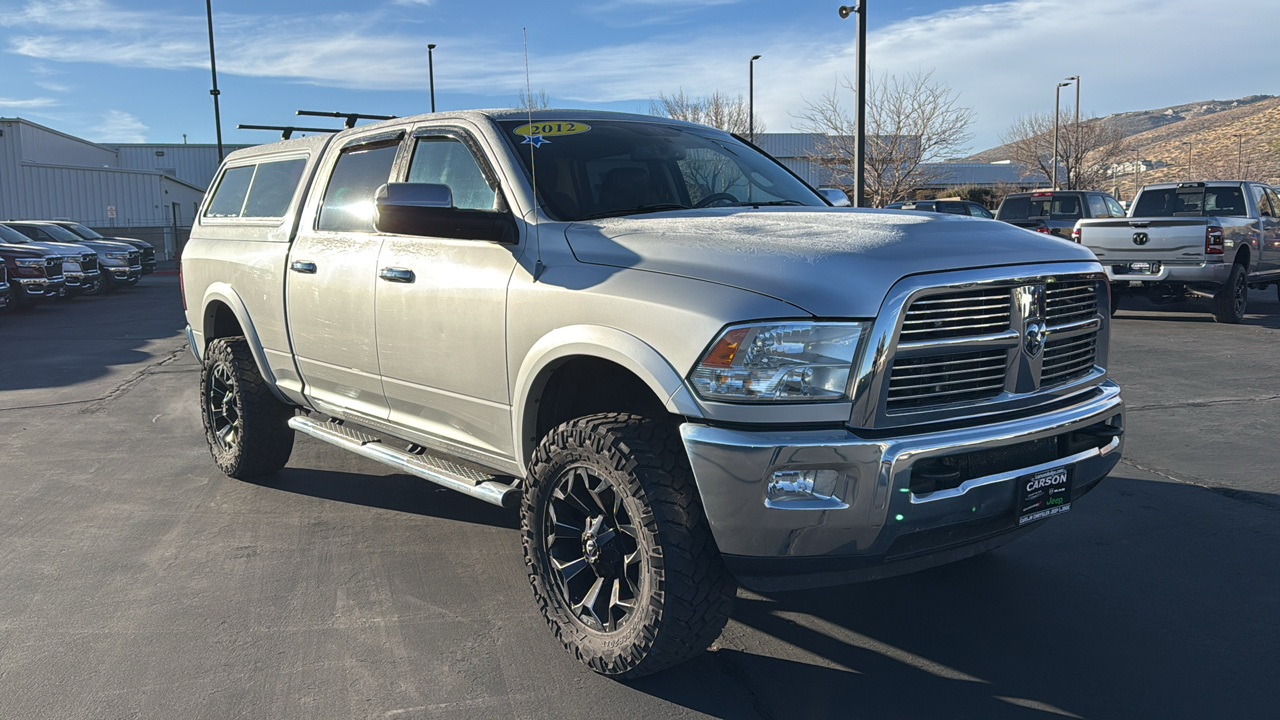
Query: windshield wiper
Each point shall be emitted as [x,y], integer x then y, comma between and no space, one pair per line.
[637,210]
[767,204]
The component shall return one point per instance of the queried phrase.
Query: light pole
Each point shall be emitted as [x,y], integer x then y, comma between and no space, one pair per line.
[1075,142]
[1057,102]
[213,67]
[860,144]
[431,74]
[1239,155]
[751,97]
[1188,144]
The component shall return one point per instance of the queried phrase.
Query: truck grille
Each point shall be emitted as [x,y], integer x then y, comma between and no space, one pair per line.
[1070,302]
[959,347]
[134,258]
[945,379]
[148,254]
[960,314]
[89,263]
[1068,358]
[53,267]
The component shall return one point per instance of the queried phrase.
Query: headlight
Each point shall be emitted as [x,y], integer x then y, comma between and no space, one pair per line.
[117,255]
[796,361]
[29,262]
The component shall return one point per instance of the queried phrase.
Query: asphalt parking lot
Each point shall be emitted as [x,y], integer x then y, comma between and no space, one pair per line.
[138,581]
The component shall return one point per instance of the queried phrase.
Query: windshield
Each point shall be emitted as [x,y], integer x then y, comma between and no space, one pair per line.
[1191,201]
[60,234]
[610,168]
[12,237]
[82,231]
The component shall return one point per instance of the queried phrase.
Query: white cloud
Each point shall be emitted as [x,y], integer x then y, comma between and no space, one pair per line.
[413,2]
[27,102]
[120,127]
[1002,57]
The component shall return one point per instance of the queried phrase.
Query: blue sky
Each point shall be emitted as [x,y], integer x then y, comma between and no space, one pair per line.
[135,70]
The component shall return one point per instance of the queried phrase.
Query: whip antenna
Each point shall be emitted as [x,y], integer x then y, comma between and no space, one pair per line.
[533,164]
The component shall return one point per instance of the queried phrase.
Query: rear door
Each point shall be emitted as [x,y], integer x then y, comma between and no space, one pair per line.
[1268,228]
[332,276]
[1270,251]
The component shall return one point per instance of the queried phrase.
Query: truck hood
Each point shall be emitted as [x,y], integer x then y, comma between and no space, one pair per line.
[831,262]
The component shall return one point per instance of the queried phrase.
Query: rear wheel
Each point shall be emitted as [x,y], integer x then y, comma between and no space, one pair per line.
[1230,302]
[620,557]
[246,426]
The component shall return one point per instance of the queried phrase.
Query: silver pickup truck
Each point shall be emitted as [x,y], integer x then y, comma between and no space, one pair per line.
[1207,239]
[673,356]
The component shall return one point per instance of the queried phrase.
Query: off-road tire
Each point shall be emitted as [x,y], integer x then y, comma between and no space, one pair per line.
[685,594]
[263,440]
[1230,302]
[109,284]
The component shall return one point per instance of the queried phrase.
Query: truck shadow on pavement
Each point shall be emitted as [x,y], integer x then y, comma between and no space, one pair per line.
[1260,313]
[399,493]
[61,343]
[1153,600]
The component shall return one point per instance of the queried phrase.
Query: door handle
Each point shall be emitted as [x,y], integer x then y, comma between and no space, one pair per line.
[400,275]
[303,267]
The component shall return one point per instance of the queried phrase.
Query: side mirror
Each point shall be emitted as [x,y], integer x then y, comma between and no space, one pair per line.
[835,196]
[426,210]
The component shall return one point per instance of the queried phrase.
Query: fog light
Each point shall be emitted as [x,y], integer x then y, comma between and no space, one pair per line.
[803,490]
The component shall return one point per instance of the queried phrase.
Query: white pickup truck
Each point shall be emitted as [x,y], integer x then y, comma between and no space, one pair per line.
[1207,239]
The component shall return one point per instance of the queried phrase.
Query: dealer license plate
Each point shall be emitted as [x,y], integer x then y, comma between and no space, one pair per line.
[1044,494]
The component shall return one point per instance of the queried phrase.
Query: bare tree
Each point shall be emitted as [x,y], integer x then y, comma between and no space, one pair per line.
[717,110]
[1085,154]
[536,101]
[912,122]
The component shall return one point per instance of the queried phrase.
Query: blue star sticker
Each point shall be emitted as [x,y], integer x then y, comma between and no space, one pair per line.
[535,140]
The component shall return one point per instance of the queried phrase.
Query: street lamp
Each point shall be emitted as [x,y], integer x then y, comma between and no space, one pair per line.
[1239,155]
[213,67]
[431,75]
[1189,176]
[751,97]
[860,144]
[1075,143]
[1057,100]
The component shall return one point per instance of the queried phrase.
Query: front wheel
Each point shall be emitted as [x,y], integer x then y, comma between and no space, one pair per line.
[1230,302]
[246,426]
[622,563]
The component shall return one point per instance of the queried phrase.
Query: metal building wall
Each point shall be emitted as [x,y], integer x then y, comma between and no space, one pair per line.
[49,147]
[194,164]
[84,195]
[10,161]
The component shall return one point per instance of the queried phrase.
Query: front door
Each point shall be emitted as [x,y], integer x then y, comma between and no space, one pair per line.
[1269,253]
[441,312]
[331,278]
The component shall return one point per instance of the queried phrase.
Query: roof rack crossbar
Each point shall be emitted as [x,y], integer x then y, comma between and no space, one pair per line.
[286,131]
[349,119]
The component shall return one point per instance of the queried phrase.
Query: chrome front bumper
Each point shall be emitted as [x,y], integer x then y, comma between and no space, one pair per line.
[873,525]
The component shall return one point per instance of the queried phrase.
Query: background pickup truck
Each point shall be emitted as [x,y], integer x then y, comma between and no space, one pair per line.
[1210,239]
[676,359]
[1055,212]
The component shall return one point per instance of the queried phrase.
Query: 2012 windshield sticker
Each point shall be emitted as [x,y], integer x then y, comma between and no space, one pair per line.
[558,128]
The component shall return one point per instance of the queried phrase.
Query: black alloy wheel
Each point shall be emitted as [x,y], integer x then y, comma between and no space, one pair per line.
[223,407]
[594,549]
[1230,302]
[621,558]
[246,426]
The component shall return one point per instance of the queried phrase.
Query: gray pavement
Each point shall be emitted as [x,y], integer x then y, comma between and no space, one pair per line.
[137,581]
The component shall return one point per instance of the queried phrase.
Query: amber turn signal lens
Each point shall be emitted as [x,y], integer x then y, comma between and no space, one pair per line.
[725,349]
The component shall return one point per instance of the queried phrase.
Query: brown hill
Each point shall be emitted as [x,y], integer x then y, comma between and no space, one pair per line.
[1233,139]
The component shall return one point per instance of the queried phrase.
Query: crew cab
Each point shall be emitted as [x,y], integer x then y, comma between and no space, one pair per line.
[1208,239]
[1055,212]
[146,251]
[34,272]
[682,365]
[119,263]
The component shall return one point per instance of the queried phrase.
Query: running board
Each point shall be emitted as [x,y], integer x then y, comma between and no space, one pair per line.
[440,471]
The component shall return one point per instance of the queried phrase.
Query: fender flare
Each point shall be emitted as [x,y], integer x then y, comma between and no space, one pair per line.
[598,341]
[224,293]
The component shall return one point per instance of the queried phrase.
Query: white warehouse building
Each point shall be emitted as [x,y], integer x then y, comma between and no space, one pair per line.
[152,191]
